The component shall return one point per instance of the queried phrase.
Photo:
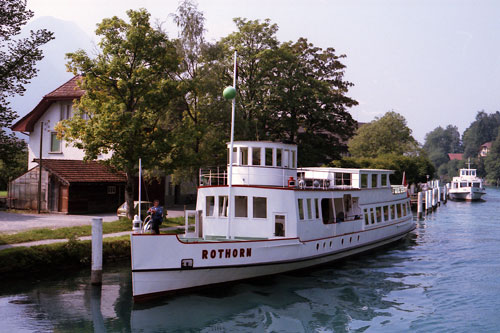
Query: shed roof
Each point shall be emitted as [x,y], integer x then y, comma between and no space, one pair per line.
[77,171]
[458,157]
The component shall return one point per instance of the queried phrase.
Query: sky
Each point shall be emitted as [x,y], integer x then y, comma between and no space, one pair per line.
[436,62]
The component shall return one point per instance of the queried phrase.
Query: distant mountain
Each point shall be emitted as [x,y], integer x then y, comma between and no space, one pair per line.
[52,73]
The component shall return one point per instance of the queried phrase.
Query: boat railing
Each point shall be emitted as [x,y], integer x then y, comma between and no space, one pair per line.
[398,189]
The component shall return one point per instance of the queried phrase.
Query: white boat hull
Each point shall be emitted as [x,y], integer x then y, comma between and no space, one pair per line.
[467,194]
[153,277]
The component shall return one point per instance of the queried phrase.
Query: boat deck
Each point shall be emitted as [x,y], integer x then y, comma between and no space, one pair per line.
[218,239]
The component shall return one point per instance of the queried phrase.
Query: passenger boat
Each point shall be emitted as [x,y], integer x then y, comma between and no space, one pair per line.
[467,186]
[284,218]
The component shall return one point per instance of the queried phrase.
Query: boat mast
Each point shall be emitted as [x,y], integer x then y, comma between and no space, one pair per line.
[230,175]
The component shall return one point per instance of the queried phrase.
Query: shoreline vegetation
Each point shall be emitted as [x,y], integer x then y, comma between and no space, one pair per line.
[77,231]
[73,254]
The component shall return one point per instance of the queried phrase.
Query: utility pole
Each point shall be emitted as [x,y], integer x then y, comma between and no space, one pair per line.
[40,169]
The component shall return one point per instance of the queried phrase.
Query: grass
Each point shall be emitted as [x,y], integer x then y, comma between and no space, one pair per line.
[78,231]
[3,194]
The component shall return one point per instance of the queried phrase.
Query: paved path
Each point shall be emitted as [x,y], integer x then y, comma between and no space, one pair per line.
[15,222]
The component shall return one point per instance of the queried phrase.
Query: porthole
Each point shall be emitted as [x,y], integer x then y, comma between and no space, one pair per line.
[350,239]
[324,245]
[358,238]
[317,246]
[330,243]
[342,241]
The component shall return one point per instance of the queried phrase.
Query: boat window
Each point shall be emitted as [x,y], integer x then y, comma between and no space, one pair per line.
[255,156]
[383,180]
[463,184]
[269,156]
[316,207]
[374,180]
[279,161]
[386,213]
[286,154]
[372,215]
[234,156]
[409,208]
[210,205]
[223,206]
[367,218]
[475,184]
[364,180]
[398,207]
[342,179]
[393,212]
[404,209]
[309,210]
[240,206]
[244,156]
[294,159]
[379,214]
[300,202]
[473,172]
[260,207]
[338,205]
[327,211]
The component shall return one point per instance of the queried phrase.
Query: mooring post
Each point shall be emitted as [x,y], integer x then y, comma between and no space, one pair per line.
[439,195]
[445,193]
[419,204]
[96,273]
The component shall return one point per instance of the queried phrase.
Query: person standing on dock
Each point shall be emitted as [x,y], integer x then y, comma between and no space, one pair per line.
[156,216]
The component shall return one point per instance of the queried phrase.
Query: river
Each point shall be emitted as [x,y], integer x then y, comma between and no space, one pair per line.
[444,277]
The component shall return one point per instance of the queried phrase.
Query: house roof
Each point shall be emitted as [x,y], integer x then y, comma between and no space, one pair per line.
[76,171]
[458,157]
[487,145]
[68,91]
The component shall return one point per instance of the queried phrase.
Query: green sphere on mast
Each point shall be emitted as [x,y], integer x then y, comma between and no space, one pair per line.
[229,93]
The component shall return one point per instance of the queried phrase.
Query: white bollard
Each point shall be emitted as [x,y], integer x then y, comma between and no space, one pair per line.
[439,196]
[96,273]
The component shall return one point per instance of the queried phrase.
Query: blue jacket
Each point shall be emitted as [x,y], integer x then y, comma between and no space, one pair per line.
[156,213]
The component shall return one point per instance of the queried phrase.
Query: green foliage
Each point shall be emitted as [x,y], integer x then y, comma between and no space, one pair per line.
[18,57]
[129,89]
[438,143]
[483,129]
[386,135]
[416,168]
[492,161]
[45,258]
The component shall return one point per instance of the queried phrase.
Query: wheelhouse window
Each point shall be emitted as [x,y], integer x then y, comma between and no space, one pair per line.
[374,180]
[279,160]
[55,143]
[240,206]
[404,209]
[367,217]
[386,213]
[294,159]
[327,211]
[383,180]
[210,205]
[379,214]
[393,212]
[300,202]
[235,154]
[244,156]
[269,156]
[342,179]
[364,180]
[372,215]
[398,207]
[223,206]
[255,156]
[260,207]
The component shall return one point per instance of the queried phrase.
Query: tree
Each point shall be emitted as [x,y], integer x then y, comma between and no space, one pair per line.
[18,57]
[385,135]
[129,88]
[492,161]
[438,143]
[289,91]
[483,129]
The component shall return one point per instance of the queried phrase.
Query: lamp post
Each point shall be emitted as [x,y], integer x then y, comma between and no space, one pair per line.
[230,93]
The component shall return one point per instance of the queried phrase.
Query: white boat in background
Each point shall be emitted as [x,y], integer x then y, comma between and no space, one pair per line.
[467,186]
[273,218]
